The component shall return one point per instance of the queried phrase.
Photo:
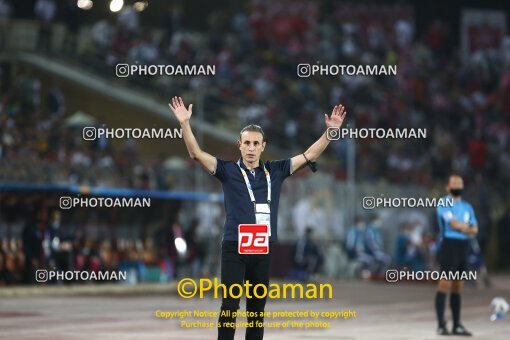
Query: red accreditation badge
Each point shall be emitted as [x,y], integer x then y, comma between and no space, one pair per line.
[253,239]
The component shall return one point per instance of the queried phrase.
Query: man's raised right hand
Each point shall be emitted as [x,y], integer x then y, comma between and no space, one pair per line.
[181,113]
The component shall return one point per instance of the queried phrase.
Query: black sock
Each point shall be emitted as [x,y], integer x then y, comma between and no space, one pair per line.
[455,306]
[440,302]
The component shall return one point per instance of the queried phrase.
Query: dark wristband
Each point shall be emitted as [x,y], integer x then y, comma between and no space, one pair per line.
[312,165]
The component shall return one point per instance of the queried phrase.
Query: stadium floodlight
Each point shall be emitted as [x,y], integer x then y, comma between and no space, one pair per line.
[140,6]
[84,4]
[116,5]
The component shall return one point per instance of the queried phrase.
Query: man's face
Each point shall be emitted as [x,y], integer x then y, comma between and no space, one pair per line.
[251,146]
[455,182]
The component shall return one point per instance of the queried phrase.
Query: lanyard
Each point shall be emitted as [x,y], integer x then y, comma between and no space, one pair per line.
[248,185]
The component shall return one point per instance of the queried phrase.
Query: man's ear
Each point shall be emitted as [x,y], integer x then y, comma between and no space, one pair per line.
[263,145]
[238,143]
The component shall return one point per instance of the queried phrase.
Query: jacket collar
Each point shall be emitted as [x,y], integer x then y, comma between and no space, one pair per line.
[244,166]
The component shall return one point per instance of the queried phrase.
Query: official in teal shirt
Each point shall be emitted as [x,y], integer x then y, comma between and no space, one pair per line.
[457,224]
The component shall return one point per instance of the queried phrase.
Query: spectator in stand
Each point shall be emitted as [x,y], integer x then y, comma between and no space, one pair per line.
[355,246]
[145,51]
[308,258]
[128,19]
[55,103]
[102,34]
[45,11]
[375,248]
[410,252]
[72,18]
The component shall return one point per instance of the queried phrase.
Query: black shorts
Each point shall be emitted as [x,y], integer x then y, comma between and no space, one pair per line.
[453,255]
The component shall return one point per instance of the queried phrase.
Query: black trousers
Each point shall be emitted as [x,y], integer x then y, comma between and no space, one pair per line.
[236,269]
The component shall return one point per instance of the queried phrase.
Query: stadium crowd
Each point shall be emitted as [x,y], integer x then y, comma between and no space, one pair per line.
[456,98]
[40,145]
[462,101]
[46,241]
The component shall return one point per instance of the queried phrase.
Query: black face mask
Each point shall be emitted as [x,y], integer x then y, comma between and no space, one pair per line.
[456,192]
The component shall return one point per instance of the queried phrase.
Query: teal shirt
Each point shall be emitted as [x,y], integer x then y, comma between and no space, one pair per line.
[462,211]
